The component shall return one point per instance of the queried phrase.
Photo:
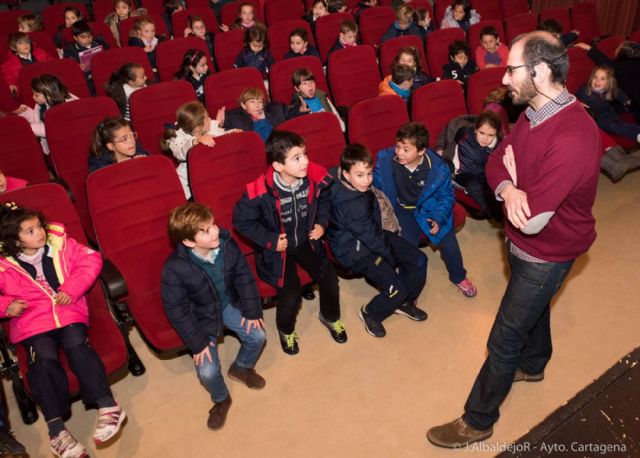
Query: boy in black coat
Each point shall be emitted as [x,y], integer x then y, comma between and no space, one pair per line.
[363,237]
[206,285]
[283,213]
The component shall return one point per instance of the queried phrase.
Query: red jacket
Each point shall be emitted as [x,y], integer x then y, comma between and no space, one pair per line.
[77,268]
[12,65]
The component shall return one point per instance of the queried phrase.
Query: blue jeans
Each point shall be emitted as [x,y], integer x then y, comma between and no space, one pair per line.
[520,337]
[449,248]
[210,373]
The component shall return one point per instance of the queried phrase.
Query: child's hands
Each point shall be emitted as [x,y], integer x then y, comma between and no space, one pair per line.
[84,67]
[224,27]
[304,108]
[206,140]
[317,232]
[258,324]
[434,226]
[220,116]
[16,308]
[20,109]
[62,298]
[187,31]
[199,358]
[283,243]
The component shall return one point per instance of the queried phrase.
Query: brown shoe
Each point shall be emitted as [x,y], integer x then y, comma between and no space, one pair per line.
[247,376]
[218,414]
[456,434]
[521,376]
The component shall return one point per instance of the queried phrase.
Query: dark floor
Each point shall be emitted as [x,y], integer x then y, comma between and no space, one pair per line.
[601,420]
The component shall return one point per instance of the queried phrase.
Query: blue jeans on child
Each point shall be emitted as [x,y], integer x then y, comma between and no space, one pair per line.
[520,336]
[210,373]
[449,248]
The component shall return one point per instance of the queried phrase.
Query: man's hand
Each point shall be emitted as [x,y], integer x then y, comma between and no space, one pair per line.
[515,202]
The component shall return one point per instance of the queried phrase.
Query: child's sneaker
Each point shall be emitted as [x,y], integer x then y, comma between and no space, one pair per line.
[289,343]
[411,311]
[64,445]
[372,326]
[467,288]
[336,328]
[110,421]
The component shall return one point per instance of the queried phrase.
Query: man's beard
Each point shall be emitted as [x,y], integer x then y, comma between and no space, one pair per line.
[525,94]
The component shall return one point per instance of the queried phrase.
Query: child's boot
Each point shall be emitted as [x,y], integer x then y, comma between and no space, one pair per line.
[218,414]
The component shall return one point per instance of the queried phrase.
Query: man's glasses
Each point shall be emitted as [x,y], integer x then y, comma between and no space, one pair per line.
[512,68]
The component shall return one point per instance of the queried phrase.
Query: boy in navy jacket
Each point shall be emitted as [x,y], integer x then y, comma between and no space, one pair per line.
[283,214]
[83,41]
[363,237]
[418,183]
[206,285]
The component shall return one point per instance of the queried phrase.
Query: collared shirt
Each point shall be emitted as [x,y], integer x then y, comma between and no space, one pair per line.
[410,183]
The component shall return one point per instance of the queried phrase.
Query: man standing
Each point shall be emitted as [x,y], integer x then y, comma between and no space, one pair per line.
[546,171]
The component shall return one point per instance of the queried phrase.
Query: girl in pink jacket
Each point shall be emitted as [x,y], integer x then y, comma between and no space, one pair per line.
[44,276]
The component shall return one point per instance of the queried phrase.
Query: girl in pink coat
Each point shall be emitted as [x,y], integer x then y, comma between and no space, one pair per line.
[44,276]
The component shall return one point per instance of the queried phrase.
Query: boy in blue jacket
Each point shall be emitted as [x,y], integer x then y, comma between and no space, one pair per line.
[206,285]
[363,237]
[418,183]
[284,213]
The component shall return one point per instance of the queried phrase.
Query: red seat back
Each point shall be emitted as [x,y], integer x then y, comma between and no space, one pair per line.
[323,138]
[435,104]
[8,102]
[328,31]
[53,15]
[439,7]
[129,204]
[512,7]
[473,35]
[104,64]
[610,45]
[44,41]
[580,66]
[519,24]
[560,14]
[279,36]
[487,9]
[153,6]
[170,54]
[353,75]
[155,106]
[70,147]
[21,155]
[226,48]
[438,48]
[480,84]
[389,49]
[374,22]
[9,20]
[101,9]
[223,89]
[106,339]
[635,36]
[180,20]
[67,70]
[218,175]
[282,10]
[102,31]
[374,122]
[584,17]
[280,84]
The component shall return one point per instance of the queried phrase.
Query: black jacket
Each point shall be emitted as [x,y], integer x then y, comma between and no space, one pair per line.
[257,217]
[190,298]
[627,73]
[106,158]
[276,113]
[355,225]
[453,71]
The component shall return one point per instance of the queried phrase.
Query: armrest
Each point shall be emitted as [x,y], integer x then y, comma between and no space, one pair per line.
[113,281]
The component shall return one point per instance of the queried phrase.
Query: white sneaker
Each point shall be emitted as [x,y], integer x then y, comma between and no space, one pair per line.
[110,421]
[64,445]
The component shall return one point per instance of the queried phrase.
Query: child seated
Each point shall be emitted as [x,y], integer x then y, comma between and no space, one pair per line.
[44,278]
[299,45]
[170,7]
[399,82]
[193,126]
[319,9]
[403,24]
[10,183]
[245,20]
[48,91]
[348,36]
[124,82]
[460,66]
[554,27]
[122,11]
[195,70]
[256,51]
[84,49]
[21,52]
[410,56]
[604,101]
[418,183]
[29,23]
[459,14]
[422,19]
[337,6]
[307,98]
[282,214]
[207,258]
[113,141]
[490,52]
[254,115]
[361,6]
[143,35]
[72,15]
[363,236]
[197,28]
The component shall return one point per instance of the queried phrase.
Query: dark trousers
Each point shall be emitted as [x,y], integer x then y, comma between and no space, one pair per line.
[479,190]
[289,296]
[449,248]
[396,287]
[621,128]
[520,336]
[46,376]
